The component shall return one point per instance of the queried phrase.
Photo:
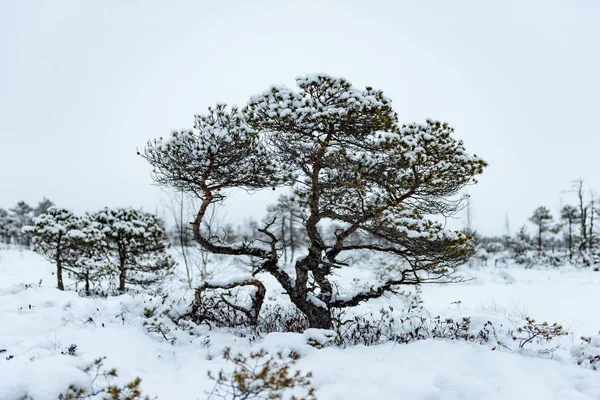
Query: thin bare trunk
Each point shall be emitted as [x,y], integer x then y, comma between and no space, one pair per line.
[205,255]
[59,270]
[591,234]
[188,271]
[570,240]
[540,229]
[582,214]
[283,241]
[122,269]
[292,244]
[59,276]
[87,283]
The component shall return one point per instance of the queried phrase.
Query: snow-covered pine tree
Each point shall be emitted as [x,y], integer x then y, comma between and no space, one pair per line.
[88,262]
[570,216]
[136,244]
[4,226]
[521,243]
[541,218]
[42,207]
[22,215]
[55,235]
[347,160]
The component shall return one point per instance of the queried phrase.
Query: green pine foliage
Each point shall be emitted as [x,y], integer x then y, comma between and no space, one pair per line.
[57,236]
[136,244]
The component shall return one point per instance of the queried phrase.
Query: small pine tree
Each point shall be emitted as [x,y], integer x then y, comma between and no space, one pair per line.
[541,218]
[88,261]
[54,236]
[570,215]
[42,207]
[4,226]
[521,243]
[22,215]
[136,243]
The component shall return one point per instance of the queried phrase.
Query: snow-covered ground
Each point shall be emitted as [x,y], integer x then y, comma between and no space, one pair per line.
[38,322]
[569,296]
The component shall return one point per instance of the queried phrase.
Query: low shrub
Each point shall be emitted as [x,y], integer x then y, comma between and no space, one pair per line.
[259,376]
[533,331]
[102,387]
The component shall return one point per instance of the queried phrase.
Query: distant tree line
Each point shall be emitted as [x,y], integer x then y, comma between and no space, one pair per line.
[14,219]
[570,235]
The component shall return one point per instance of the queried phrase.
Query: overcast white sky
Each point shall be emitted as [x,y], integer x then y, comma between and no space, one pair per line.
[85,83]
